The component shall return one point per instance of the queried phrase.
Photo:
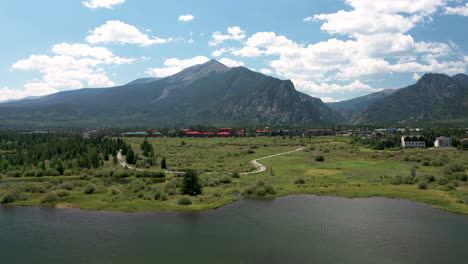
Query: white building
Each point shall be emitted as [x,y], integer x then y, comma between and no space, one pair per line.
[413,142]
[443,142]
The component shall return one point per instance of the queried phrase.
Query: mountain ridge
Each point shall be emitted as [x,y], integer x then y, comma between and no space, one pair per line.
[209,93]
[434,97]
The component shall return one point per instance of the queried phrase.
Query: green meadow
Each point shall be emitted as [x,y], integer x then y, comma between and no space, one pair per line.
[326,166]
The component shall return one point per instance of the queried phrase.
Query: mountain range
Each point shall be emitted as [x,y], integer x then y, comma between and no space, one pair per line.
[434,98]
[212,93]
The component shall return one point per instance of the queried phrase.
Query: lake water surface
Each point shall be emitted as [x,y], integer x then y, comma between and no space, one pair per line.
[291,229]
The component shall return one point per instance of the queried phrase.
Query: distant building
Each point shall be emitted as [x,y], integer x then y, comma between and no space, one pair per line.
[157,134]
[443,142]
[413,142]
[135,134]
[464,142]
[193,134]
[208,134]
[261,132]
[223,134]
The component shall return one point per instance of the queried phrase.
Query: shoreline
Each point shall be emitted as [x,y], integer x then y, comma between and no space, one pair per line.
[238,198]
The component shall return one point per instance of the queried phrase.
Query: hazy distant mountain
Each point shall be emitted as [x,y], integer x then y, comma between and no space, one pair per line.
[350,107]
[21,99]
[210,93]
[143,81]
[434,98]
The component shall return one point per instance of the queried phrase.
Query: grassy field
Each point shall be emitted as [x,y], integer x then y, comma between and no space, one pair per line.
[435,177]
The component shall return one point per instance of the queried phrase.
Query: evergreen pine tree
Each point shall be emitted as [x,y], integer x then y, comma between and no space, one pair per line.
[130,156]
[191,184]
[163,164]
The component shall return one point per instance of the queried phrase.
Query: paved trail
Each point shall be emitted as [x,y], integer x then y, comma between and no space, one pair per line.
[260,167]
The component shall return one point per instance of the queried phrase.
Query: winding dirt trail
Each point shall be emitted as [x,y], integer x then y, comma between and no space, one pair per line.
[260,167]
[123,163]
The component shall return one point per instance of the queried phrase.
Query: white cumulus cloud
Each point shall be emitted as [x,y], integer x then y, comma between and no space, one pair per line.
[186,18]
[459,10]
[102,3]
[231,63]
[377,43]
[71,66]
[11,94]
[329,100]
[266,71]
[234,33]
[119,32]
[175,65]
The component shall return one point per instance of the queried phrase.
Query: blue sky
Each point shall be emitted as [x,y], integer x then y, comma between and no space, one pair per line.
[333,49]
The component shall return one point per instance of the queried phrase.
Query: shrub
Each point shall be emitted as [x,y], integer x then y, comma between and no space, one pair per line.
[14,174]
[413,171]
[426,163]
[299,181]
[235,175]
[456,167]
[8,197]
[23,196]
[461,176]
[123,174]
[249,191]
[269,189]
[443,181]
[63,193]
[157,174]
[429,178]
[260,183]
[51,172]
[50,198]
[422,186]
[250,151]
[136,186]
[115,191]
[397,180]
[225,179]
[465,199]
[319,158]
[170,188]
[89,189]
[40,173]
[448,187]
[67,186]
[184,201]
[164,197]
[29,173]
[260,192]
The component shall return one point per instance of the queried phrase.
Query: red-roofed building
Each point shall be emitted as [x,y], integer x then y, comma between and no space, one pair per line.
[185,129]
[208,134]
[225,129]
[261,132]
[193,134]
[223,134]
[241,132]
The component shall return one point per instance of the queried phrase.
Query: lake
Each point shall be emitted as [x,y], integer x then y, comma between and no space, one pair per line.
[291,229]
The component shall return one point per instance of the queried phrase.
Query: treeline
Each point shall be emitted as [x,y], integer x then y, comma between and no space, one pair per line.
[36,153]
